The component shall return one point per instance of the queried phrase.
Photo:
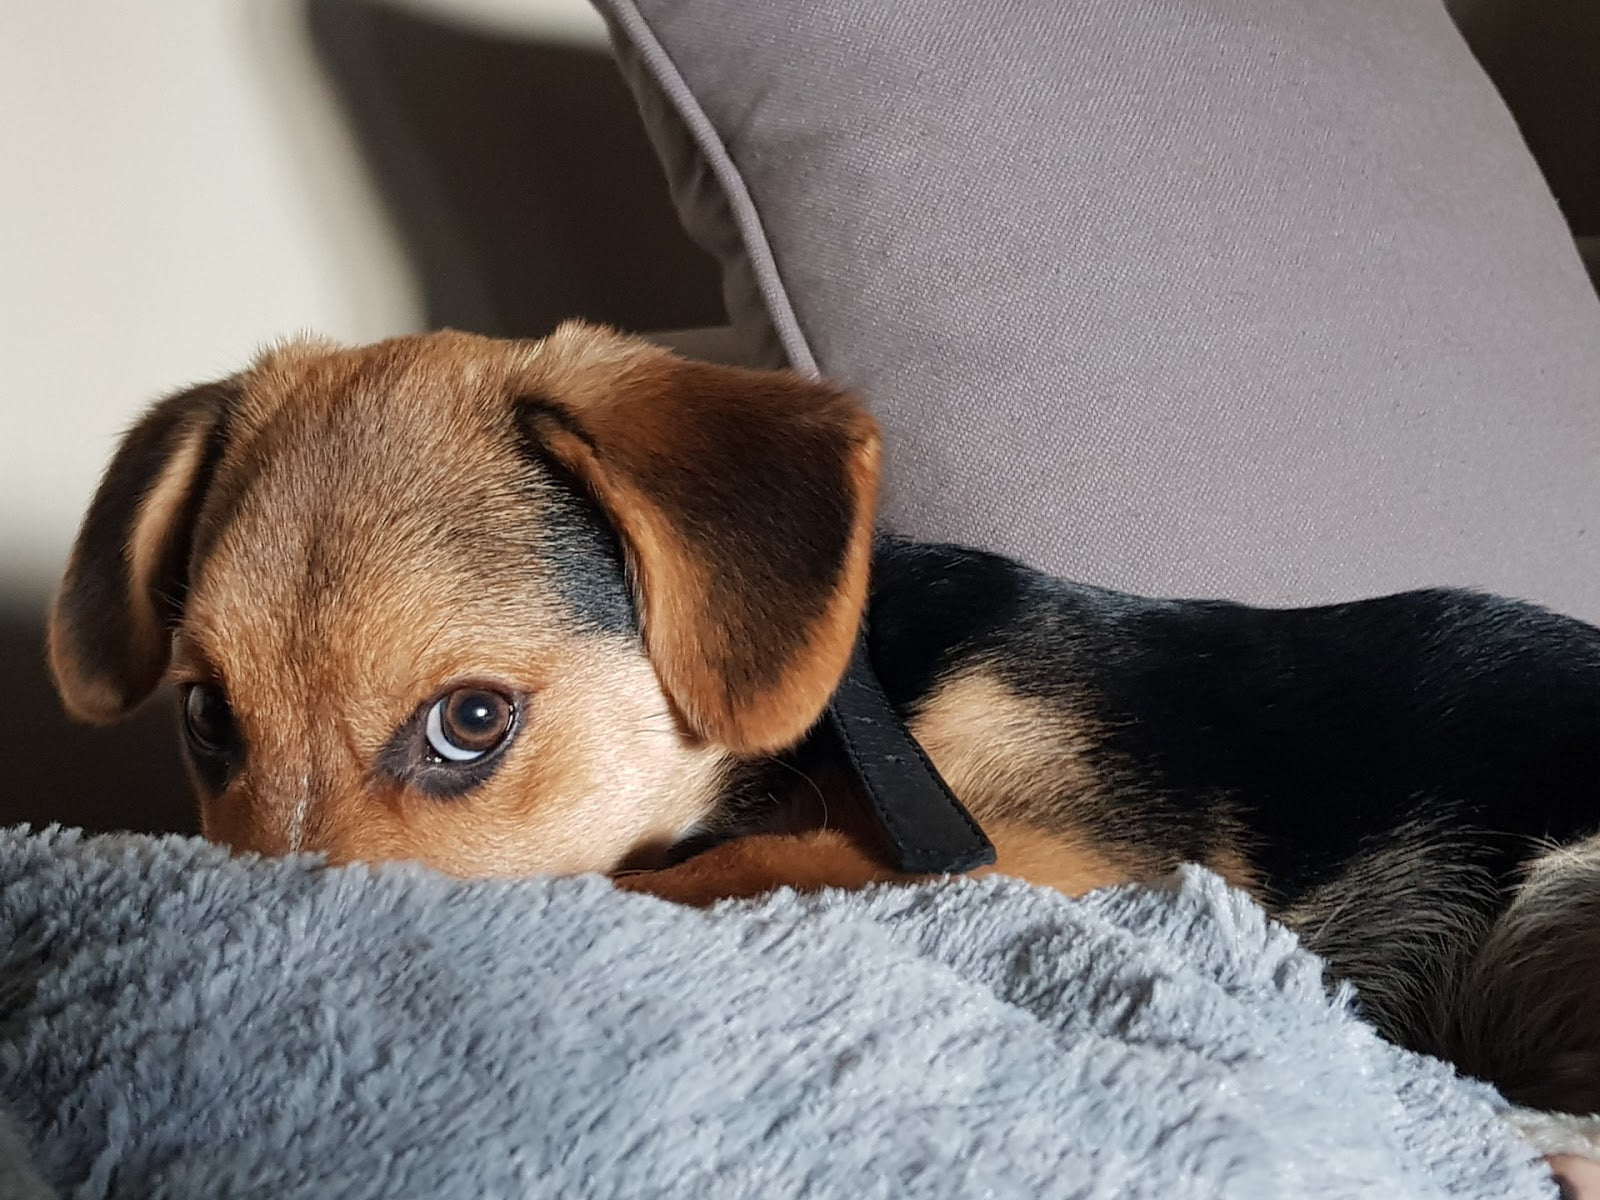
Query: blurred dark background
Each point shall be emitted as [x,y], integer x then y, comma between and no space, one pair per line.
[525,192]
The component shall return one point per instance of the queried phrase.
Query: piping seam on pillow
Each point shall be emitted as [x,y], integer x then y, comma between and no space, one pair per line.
[752,234]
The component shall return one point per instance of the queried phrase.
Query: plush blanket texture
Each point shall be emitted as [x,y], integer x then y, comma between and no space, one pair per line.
[177,1024]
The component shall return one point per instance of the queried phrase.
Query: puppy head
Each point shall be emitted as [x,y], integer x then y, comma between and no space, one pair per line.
[500,606]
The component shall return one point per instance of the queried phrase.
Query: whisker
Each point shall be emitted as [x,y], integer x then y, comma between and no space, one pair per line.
[822,801]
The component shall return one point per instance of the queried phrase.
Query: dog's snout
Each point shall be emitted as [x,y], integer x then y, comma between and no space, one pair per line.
[276,802]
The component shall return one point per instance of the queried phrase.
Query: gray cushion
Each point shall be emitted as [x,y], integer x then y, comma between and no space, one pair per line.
[1251,298]
[182,1024]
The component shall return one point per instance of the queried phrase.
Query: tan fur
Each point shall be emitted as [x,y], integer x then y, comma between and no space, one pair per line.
[1063,861]
[315,611]
[85,697]
[362,545]
[833,858]
[162,502]
[1014,763]
[997,749]
[635,413]
[753,866]
[1018,766]
[129,560]
[366,543]
[576,792]
[1022,764]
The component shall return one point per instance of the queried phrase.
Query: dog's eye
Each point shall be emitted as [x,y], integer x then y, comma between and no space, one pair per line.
[207,718]
[468,723]
[454,742]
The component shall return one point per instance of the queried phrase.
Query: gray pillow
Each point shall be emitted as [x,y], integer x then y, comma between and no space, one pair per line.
[1251,298]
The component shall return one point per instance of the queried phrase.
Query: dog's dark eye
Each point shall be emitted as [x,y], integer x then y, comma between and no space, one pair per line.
[468,723]
[449,745]
[207,718]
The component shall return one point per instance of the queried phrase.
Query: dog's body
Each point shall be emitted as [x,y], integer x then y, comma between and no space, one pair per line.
[577,605]
[1381,775]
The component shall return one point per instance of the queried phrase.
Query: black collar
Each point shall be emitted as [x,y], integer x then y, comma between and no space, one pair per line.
[927,829]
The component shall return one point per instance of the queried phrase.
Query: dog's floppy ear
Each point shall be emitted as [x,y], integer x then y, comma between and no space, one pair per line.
[110,623]
[744,501]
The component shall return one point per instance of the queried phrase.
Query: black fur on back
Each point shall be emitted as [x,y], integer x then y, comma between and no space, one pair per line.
[1322,731]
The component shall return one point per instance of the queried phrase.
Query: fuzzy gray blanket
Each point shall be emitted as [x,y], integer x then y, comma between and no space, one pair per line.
[177,1024]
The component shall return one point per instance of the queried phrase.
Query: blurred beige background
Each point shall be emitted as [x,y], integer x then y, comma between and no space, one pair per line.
[180,187]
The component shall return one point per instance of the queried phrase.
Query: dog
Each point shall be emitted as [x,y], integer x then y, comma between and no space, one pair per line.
[569,605]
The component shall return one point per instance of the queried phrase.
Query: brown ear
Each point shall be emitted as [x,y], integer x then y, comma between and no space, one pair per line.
[744,500]
[110,623]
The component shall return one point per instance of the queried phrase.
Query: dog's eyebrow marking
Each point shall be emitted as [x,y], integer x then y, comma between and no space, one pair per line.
[576,539]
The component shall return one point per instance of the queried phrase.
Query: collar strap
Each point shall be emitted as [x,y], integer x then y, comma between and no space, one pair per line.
[928,830]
